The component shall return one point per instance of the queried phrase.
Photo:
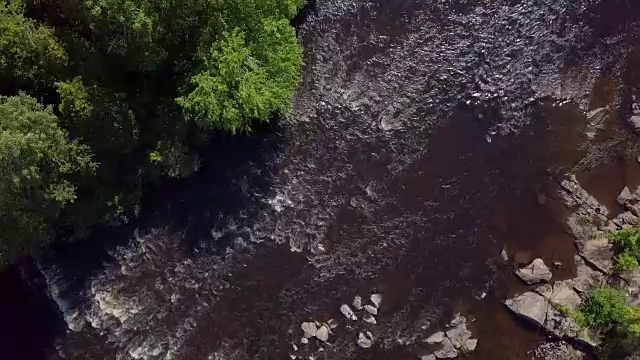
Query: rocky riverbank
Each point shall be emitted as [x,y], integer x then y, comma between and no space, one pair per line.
[549,303]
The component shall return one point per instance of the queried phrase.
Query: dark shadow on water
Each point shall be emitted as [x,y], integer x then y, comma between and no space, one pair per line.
[233,179]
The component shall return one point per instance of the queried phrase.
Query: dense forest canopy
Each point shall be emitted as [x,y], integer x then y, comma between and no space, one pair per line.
[101,97]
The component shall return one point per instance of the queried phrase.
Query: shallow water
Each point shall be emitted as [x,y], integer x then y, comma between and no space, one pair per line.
[421,139]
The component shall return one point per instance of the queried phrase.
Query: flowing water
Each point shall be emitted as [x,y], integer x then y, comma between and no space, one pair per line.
[421,139]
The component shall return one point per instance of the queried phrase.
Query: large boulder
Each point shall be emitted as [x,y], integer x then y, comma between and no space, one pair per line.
[599,252]
[530,305]
[535,272]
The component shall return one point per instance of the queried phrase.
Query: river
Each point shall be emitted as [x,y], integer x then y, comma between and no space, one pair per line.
[420,141]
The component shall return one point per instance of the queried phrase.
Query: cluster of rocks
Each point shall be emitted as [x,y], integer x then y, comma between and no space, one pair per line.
[548,306]
[451,342]
[368,313]
[320,332]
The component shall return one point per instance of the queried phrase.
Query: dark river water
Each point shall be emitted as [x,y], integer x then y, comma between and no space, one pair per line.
[421,141]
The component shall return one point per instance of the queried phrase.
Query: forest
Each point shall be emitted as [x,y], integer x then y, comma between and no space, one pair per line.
[100,98]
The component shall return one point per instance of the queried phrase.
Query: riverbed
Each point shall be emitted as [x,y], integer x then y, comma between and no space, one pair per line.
[422,141]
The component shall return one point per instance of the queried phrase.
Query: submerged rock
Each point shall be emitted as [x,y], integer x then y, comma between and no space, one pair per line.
[530,305]
[535,272]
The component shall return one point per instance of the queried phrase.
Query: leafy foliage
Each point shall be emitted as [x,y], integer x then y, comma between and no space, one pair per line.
[241,82]
[627,242]
[29,52]
[39,162]
[607,310]
[142,84]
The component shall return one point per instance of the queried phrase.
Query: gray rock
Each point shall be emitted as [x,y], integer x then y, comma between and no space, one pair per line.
[364,342]
[587,338]
[357,302]
[535,272]
[634,121]
[436,338]
[530,305]
[459,336]
[557,351]
[599,252]
[323,334]
[586,278]
[559,325]
[304,340]
[376,299]
[332,323]
[471,345]
[346,311]
[428,357]
[368,318]
[504,256]
[627,217]
[309,329]
[371,309]
[447,351]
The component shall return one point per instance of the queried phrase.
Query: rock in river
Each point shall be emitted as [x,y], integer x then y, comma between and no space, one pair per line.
[364,341]
[530,305]
[447,351]
[535,272]
[436,338]
[357,302]
[346,311]
[376,299]
[309,329]
[323,333]
[371,310]
[368,318]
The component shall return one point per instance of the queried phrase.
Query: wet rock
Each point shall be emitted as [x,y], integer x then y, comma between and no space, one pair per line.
[557,351]
[368,318]
[364,341]
[376,299]
[304,340]
[323,333]
[309,329]
[371,309]
[530,305]
[428,357]
[579,196]
[357,302]
[535,272]
[347,312]
[436,338]
[332,323]
[447,351]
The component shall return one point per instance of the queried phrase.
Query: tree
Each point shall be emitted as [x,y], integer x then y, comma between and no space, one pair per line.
[242,81]
[29,52]
[38,163]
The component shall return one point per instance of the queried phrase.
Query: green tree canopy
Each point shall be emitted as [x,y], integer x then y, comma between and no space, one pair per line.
[38,163]
[29,52]
[242,81]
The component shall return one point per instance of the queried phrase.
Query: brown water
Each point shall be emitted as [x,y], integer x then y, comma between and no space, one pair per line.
[422,141]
